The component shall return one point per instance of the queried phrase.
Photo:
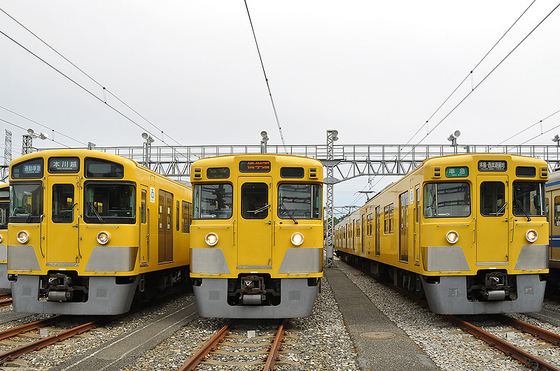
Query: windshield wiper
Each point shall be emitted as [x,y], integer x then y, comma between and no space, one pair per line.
[95,212]
[523,210]
[502,209]
[289,214]
[260,209]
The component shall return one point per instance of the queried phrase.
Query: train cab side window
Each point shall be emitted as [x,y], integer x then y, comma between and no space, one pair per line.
[63,203]
[213,201]
[447,200]
[254,201]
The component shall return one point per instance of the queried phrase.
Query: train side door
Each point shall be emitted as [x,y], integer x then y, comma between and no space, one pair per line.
[165,227]
[416,223]
[493,220]
[254,229]
[144,226]
[61,224]
[403,227]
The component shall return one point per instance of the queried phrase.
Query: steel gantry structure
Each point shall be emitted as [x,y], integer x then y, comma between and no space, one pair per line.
[341,161]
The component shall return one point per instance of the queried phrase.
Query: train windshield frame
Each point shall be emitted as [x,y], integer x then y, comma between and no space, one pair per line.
[299,201]
[447,200]
[213,201]
[26,202]
[529,198]
[109,202]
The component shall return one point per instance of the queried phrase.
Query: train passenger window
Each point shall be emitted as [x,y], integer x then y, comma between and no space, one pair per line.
[254,201]
[299,201]
[528,199]
[445,200]
[109,202]
[556,211]
[4,206]
[143,206]
[213,201]
[388,219]
[187,216]
[63,203]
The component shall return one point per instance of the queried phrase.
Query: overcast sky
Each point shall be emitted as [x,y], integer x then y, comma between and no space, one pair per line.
[375,71]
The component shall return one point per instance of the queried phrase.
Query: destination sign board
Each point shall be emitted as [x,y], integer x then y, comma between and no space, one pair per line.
[254,166]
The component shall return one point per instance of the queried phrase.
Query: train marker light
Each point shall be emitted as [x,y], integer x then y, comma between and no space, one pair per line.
[531,235]
[297,239]
[22,236]
[211,239]
[103,237]
[452,237]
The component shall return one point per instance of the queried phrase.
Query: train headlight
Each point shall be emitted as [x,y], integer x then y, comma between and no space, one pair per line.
[211,239]
[297,239]
[22,237]
[452,237]
[1,238]
[103,237]
[531,235]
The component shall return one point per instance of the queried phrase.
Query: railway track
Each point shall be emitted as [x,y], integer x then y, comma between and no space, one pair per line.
[62,335]
[5,300]
[229,347]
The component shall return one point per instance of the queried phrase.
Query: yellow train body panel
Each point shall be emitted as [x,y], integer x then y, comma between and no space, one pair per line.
[77,215]
[247,211]
[4,212]
[458,216]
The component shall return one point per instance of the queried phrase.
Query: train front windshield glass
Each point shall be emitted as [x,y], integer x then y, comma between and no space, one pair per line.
[110,203]
[4,215]
[445,200]
[213,201]
[299,201]
[26,202]
[528,199]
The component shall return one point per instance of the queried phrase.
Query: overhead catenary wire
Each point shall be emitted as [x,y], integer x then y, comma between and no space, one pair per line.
[266,78]
[104,89]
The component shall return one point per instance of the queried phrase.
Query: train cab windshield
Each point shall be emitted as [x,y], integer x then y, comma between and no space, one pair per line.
[213,201]
[299,201]
[26,202]
[528,199]
[445,200]
[109,202]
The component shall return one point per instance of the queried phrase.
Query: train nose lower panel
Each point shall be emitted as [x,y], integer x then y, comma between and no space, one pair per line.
[450,296]
[106,297]
[297,299]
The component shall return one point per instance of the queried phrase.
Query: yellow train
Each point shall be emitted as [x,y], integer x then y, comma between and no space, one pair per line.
[4,207]
[469,232]
[89,230]
[257,235]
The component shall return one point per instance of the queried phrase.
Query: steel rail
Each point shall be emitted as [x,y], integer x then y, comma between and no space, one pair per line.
[275,348]
[203,352]
[10,355]
[494,341]
[533,330]
[28,327]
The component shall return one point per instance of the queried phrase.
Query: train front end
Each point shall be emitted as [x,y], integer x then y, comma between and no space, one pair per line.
[484,234]
[257,235]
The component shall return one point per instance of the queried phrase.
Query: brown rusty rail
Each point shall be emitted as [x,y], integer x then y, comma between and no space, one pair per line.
[511,350]
[275,348]
[12,354]
[206,349]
